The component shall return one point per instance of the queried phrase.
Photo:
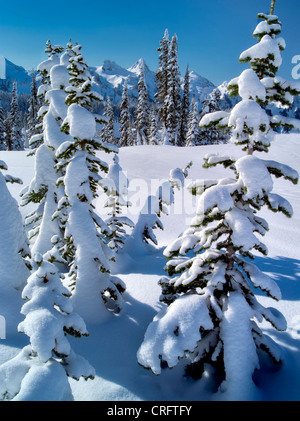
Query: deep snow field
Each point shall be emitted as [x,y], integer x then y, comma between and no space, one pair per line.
[112,346]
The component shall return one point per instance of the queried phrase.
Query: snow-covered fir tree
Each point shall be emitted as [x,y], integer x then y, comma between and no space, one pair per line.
[212,135]
[125,126]
[143,235]
[185,110]
[12,125]
[43,190]
[16,132]
[173,97]
[161,77]
[215,286]
[95,289]
[8,132]
[154,138]
[142,112]
[143,238]
[44,366]
[2,130]
[53,52]
[33,109]
[48,312]
[193,125]
[115,185]
[108,131]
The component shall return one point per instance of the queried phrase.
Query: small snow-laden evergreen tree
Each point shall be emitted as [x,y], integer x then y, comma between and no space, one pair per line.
[108,131]
[143,238]
[142,111]
[212,135]
[41,369]
[115,185]
[161,77]
[2,130]
[185,110]
[193,126]
[43,191]
[215,286]
[95,290]
[125,126]
[43,69]
[173,97]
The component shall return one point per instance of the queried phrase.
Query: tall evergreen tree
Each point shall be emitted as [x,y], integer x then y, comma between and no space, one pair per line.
[173,97]
[216,286]
[161,77]
[43,191]
[142,117]
[108,131]
[153,130]
[14,133]
[32,118]
[8,132]
[193,126]
[95,289]
[125,127]
[2,130]
[185,110]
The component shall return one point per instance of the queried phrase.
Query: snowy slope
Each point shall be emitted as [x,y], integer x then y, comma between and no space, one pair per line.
[111,347]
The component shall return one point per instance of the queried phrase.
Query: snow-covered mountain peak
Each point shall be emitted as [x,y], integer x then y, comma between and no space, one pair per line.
[108,80]
[110,77]
[196,79]
[10,72]
[140,64]
[200,87]
[110,67]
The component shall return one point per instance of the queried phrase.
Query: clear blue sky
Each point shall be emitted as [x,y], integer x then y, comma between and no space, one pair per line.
[211,33]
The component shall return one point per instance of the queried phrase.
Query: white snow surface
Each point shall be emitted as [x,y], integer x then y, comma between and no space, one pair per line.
[112,346]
